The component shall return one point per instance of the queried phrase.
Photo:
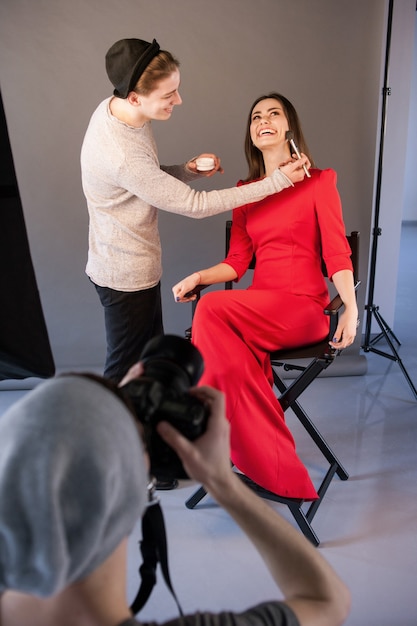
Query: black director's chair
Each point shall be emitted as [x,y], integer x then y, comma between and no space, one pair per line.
[320,356]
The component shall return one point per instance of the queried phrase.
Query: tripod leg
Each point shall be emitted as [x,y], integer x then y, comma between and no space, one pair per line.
[386,330]
[395,356]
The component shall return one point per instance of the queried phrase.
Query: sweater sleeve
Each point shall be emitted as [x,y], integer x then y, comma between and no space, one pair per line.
[159,189]
[182,173]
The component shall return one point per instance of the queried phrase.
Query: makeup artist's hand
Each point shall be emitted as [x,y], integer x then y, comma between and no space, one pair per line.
[192,165]
[294,168]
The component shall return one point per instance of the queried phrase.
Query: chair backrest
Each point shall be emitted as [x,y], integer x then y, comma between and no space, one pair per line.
[353,240]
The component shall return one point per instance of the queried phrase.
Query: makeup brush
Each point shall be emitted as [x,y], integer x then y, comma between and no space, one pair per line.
[289,136]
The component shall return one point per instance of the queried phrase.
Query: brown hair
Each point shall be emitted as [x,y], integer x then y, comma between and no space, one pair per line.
[254,155]
[159,68]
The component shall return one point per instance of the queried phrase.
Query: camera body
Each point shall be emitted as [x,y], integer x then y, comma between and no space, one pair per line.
[172,365]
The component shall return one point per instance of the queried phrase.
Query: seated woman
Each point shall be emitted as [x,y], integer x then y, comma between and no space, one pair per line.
[235,330]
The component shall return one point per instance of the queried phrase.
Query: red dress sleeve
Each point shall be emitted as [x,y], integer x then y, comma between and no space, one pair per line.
[335,248]
[241,247]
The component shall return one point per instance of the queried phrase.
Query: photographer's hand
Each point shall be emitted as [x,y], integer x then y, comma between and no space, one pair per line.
[134,372]
[207,459]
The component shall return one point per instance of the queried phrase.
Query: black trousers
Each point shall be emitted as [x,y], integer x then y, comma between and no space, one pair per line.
[131,320]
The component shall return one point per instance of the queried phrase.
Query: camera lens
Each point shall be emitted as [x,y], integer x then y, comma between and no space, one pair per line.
[171,366]
[171,353]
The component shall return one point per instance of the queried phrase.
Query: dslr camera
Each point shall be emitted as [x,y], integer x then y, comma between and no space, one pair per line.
[172,365]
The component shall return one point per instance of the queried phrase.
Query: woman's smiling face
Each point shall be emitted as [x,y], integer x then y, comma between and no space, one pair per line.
[268,124]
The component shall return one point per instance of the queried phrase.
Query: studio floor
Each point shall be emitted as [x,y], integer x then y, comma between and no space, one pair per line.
[367,525]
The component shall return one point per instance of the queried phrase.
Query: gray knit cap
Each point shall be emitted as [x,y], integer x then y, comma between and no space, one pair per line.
[72,483]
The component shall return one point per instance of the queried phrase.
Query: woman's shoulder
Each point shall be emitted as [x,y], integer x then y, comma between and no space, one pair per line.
[325,173]
[327,177]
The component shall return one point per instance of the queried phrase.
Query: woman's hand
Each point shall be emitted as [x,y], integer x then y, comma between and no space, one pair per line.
[294,169]
[192,166]
[346,329]
[185,286]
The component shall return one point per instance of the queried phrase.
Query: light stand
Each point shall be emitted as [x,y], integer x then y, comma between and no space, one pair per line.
[371,308]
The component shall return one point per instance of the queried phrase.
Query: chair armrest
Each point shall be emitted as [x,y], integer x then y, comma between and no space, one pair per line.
[196,291]
[336,304]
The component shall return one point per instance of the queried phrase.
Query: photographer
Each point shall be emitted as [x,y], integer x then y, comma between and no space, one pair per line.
[73,483]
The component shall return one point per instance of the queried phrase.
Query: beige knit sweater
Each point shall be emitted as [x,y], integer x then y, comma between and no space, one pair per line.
[124,186]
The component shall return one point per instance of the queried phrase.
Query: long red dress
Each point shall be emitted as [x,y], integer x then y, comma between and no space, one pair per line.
[235,330]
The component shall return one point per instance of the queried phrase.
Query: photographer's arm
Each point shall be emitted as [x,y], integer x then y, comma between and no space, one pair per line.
[310,586]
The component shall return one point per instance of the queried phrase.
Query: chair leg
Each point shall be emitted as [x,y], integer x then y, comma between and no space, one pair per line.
[321,491]
[304,523]
[195,498]
[320,441]
[294,505]
[303,519]
[313,431]
[291,392]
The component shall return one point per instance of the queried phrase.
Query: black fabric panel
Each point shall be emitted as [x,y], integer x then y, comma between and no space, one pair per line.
[25,350]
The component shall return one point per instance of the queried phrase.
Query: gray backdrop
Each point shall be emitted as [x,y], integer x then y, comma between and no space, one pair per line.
[326,56]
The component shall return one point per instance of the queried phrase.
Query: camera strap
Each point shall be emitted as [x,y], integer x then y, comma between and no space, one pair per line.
[153,548]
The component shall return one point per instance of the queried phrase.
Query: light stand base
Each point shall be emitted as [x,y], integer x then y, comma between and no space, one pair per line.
[387,334]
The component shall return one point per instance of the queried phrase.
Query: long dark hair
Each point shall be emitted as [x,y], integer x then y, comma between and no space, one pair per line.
[254,156]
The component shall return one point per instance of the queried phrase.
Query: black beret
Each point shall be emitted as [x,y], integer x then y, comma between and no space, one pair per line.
[126,61]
